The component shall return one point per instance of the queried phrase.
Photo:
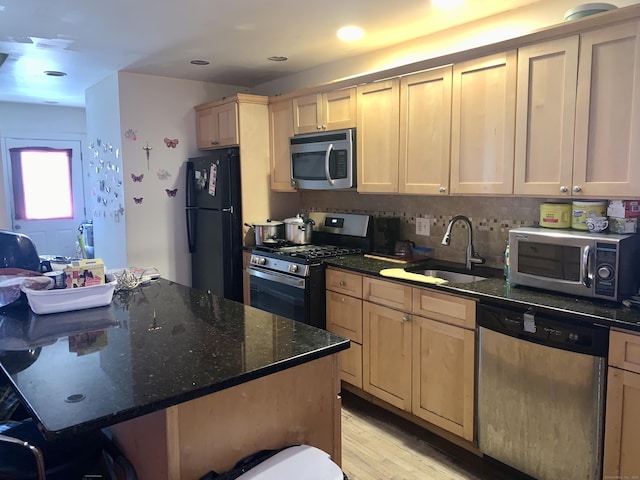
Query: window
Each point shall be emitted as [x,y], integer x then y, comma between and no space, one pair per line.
[41,180]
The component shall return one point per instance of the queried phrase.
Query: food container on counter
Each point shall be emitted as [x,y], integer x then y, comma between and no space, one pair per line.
[69,299]
[555,215]
[582,210]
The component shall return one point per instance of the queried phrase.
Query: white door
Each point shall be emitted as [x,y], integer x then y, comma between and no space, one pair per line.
[58,234]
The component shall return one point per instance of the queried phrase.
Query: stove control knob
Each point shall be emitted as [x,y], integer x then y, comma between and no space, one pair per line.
[293,268]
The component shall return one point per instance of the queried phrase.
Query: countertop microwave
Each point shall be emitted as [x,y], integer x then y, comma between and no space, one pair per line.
[323,161]
[596,265]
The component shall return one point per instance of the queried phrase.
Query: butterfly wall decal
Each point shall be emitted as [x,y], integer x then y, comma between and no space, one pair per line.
[171,143]
[137,178]
[137,200]
[171,193]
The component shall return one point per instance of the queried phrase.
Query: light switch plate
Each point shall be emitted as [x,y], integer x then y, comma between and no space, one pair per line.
[423,226]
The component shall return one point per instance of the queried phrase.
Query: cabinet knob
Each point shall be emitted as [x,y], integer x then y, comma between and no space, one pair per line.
[318,127]
[341,283]
[442,189]
[577,188]
[563,189]
[406,318]
[215,142]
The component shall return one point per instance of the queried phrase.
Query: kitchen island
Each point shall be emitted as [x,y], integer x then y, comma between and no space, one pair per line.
[186,382]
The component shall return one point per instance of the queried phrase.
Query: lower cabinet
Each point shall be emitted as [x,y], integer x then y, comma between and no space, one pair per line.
[415,349]
[622,428]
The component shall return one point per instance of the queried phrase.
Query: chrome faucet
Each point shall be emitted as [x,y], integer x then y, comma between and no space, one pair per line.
[472,256]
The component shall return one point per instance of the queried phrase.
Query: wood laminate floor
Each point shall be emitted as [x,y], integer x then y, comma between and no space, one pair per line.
[378,445]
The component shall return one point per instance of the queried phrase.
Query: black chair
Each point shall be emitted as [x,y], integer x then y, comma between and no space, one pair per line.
[26,455]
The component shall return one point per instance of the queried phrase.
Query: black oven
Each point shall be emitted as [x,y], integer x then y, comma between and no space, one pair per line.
[290,296]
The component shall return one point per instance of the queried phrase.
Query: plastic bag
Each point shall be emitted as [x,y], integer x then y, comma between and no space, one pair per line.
[12,279]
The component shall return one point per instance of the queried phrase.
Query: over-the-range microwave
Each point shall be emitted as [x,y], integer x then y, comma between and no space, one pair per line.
[596,265]
[323,161]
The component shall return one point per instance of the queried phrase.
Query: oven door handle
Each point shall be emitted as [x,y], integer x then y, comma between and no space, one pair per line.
[290,280]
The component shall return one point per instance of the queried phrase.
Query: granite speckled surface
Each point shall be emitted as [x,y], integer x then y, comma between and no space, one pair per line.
[152,348]
[496,290]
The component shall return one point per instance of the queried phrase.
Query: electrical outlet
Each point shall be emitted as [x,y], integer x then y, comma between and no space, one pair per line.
[423,226]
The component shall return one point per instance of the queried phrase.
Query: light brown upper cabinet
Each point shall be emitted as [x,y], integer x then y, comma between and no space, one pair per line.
[319,112]
[545,117]
[482,125]
[377,136]
[607,132]
[425,132]
[217,124]
[280,130]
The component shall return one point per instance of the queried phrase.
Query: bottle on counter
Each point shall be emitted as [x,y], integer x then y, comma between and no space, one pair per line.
[505,260]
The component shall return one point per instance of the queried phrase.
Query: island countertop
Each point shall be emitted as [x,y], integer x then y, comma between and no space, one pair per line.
[152,348]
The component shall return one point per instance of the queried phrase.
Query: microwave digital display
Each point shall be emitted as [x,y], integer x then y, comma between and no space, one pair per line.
[549,260]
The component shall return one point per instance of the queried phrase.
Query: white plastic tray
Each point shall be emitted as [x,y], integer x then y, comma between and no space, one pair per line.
[69,299]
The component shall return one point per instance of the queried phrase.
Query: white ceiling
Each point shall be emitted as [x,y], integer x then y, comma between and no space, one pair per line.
[92,39]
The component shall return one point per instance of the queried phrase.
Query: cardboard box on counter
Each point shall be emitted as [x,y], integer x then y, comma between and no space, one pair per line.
[84,273]
[624,208]
[623,225]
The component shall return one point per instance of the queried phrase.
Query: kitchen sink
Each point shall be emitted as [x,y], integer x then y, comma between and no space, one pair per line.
[453,277]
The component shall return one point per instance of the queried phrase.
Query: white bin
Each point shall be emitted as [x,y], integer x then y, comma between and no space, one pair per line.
[301,462]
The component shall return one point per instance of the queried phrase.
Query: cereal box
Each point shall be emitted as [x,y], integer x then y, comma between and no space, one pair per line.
[84,273]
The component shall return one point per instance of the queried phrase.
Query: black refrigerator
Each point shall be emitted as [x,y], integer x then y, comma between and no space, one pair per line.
[214,223]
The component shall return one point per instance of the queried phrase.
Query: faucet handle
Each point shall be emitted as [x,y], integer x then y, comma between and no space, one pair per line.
[477,259]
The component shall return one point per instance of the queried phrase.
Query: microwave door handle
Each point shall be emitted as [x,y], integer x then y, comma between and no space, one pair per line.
[326,164]
[587,275]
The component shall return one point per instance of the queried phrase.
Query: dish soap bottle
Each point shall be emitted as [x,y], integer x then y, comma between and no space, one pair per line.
[505,260]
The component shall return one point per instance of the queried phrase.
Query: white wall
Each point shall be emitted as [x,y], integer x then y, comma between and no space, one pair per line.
[22,120]
[150,233]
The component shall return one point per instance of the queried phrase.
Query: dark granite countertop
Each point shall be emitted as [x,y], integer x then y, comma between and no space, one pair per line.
[152,348]
[496,290]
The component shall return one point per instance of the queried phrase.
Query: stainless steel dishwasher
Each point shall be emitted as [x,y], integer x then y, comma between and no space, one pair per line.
[541,386]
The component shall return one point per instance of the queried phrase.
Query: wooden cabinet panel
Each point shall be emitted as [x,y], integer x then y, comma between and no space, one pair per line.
[325,111]
[344,316]
[344,282]
[622,430]
[425,132]
[378,123]
[386,354]
[624,351]
[545,117]
[280,130]
[482,125]
[445,307]
[307,113]
[217,125]
[246,260]
[444,375]
[607,137]
[351,365]
[390,294]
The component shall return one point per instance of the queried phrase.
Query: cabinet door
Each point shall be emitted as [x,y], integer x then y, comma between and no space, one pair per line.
[280,130]
[344,282]
[482,125]
[307,114]
[622,429]
[339,109]
[443,375]
[607,134]
[444,307]
[545,117]
[377,136]
[344,315]
[425,132]
[246,261]
[217,126]
[386,354]
[391,294]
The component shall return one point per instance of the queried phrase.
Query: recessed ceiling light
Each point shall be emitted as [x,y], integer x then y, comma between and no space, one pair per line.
[278,58]
[199,62]
[55,73]
[350,33]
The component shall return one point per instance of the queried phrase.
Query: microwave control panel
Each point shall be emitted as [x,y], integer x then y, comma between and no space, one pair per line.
[605,269]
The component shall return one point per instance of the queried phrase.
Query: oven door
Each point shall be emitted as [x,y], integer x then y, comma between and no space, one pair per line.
[278,293]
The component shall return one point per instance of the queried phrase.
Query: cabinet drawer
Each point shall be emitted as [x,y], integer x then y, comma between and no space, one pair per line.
[390,294]
[351,365]
[344,282]
[624,351]
[444,307]
[344,315]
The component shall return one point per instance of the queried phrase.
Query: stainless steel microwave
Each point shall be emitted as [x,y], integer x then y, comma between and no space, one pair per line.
[597,265]
[323,161]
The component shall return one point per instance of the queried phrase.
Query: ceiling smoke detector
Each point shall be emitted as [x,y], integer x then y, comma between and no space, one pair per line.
[199,62]
[278,58]
[55,73]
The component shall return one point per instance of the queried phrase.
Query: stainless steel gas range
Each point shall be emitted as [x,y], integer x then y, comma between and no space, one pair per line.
[289,280]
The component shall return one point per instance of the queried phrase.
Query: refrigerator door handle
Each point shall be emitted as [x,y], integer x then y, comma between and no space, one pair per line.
[191,229]
[230,209]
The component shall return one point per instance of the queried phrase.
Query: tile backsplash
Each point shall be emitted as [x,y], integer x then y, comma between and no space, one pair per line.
[491,217]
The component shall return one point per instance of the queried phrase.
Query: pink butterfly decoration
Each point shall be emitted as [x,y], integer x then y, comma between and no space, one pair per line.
[137,178]
[137,200]
[171,193]
[171,143]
